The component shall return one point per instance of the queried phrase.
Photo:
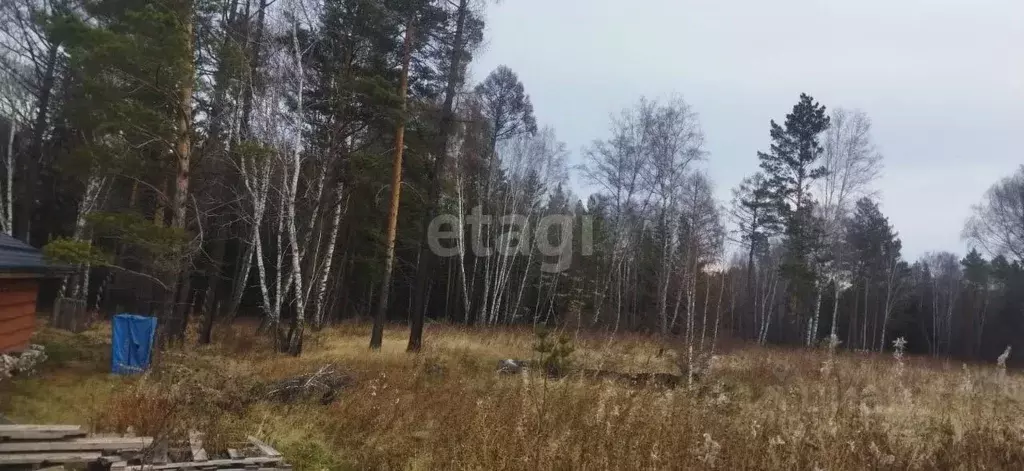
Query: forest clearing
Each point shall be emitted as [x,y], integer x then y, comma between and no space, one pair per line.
[767,236]
[446,407]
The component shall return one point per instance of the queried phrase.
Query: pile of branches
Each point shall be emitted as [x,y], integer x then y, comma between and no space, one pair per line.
[323,386]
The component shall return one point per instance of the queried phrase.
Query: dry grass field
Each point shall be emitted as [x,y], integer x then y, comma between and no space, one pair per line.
[447,408]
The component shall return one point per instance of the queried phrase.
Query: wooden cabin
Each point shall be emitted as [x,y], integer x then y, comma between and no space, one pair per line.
[21,268]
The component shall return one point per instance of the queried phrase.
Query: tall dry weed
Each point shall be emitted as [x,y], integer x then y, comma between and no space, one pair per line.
[762,408]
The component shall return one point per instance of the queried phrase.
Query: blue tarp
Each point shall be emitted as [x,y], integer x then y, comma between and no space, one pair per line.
[131,343]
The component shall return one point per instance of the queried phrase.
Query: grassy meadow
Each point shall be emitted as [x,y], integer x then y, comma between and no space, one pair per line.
[447,408]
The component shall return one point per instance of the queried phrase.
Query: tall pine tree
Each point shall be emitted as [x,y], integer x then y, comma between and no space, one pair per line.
[790,167]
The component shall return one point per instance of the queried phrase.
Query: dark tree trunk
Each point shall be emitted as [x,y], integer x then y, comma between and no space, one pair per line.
[254,64]
[213,274]
[180,308]
[27,194]
[377,336]
[751,293]
[425,268]
[293,346]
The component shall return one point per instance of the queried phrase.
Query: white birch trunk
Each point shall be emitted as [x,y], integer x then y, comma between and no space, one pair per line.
[522,287]
[279,256]
[257,182]
[486,199]
[835,307]
[321,292]
[551,303]
[889,301]
[7,215]
[507,264]
[292,195]
[718,311]
[768,308]
[90,200]
[864,323]
[812,328]
[691,307]
[462,251]
[502,270]
[704,316]
[667,254]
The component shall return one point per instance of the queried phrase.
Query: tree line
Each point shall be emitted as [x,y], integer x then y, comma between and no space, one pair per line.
[200,160]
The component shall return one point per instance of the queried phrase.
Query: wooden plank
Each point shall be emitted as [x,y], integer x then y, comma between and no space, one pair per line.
[5,427]
[18,299]
[16,319]
[20,276]
[118,466]
[195,441]
[78,444]
[280,468]
[16,342]
[266,449]
[235,454]
[46,458]
[10,311]
[257,461]
[40,432]
[17,339]
[160,452]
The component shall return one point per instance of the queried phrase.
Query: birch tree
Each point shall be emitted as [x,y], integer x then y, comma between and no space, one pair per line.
[851,163]
[643,164]
[509,113]
[676,141]
[756,221]
[997,223]
[30,62]
[533,165]
[945,290]
[7,200]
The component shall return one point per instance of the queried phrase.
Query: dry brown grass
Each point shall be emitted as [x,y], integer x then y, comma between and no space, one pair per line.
[447,409]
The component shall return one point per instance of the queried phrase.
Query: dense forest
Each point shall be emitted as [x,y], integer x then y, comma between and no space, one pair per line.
[291,160]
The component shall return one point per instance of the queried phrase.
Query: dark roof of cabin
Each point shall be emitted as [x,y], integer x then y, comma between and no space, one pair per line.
[19,257]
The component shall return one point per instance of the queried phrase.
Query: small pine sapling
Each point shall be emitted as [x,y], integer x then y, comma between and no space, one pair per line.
[554,353]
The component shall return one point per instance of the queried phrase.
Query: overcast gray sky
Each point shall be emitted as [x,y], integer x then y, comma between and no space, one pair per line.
[942,80]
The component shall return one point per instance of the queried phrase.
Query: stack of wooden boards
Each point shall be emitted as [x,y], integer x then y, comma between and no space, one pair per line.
[255,455]
[38,446]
